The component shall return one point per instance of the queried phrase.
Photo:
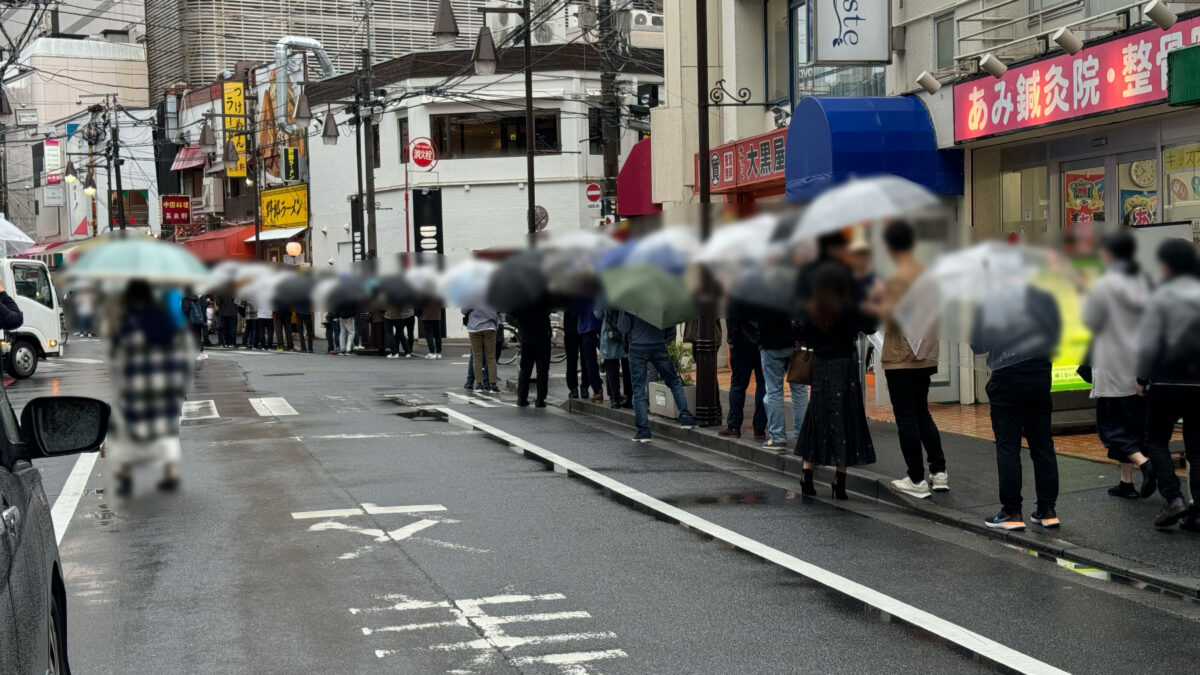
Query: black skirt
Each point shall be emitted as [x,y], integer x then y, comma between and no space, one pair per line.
[835,426]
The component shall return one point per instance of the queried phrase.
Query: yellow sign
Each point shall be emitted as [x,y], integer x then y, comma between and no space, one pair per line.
[284,207]
[1181,157]
[234,98]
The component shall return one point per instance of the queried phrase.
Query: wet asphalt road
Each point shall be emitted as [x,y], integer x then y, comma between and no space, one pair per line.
[359,536]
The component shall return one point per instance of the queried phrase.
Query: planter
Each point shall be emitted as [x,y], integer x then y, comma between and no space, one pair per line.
[663,403]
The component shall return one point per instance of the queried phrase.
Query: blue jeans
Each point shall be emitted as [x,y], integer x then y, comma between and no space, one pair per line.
[656,355]
[775,365]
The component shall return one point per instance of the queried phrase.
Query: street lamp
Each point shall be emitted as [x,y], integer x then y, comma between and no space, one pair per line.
[303,115]
[329,132]
[231,153]
[445,28]
[208,140]
[484,55]
[69,172]
[89,185]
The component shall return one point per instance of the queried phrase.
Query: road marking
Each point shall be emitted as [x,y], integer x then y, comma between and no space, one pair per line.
[329,513]
[72,492]
[75,359]
[409,530]
[570,659]
[496,400]
[199,410]
[976,643]
[420,508]
[341,404]
[468,399]
[274,406]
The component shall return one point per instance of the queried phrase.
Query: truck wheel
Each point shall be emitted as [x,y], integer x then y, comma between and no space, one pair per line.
[22,361]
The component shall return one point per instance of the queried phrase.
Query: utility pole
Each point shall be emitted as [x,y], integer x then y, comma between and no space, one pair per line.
[708,402]
[530,130]
[116,151]
[368,140]
[252,164]
[4,169]
[610,105]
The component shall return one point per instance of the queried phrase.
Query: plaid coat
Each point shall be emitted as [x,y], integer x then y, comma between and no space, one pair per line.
[152,381]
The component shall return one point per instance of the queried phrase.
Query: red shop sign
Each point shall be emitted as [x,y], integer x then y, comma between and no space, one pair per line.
[750,161]
[1128,71]
[423,153]
[176,209]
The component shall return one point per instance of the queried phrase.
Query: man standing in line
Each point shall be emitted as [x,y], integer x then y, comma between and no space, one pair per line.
[533,326]
[648,345]
[745,360]
[227,313]
[908,374]
[589,343]
[482,325]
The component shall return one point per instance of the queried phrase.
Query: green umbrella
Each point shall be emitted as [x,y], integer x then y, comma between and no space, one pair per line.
[654,296]
[155,261]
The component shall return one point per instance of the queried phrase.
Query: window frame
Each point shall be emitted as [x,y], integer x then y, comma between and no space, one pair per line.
[935,22]
[43,283]
[441,127]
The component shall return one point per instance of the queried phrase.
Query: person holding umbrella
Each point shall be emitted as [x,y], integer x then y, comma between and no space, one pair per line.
[648,345]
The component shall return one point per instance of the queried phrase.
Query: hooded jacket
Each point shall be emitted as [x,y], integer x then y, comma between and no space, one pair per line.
[1169,335]
[1112,311]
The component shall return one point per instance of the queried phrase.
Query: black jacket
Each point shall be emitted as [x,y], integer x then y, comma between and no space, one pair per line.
[10,315]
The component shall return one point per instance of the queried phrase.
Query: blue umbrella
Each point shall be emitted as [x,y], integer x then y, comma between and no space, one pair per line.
[615,256]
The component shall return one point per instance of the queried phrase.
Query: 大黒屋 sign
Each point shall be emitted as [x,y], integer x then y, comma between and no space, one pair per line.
[746,162]
[1128,71]
[284,207]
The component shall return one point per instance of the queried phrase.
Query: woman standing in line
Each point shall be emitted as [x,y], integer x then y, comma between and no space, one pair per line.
[1112,311]
[835,431]
[431,323]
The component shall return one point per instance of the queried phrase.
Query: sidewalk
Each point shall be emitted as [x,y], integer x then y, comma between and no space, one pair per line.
[1114,535]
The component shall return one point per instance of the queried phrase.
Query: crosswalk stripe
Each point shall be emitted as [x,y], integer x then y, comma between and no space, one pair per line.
[275,406]
[200,410]
[468,399]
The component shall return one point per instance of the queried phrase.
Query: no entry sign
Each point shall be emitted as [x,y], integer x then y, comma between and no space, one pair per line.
[423,153]
[593,192]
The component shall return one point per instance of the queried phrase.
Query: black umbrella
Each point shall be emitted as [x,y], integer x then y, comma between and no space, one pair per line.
[347,298]
[396,290]
[517,283]
[293,292]
[771,287]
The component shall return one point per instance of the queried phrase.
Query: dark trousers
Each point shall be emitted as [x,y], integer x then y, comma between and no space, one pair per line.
[250,334]
[398,341]
[283,331]
[1121,424]
[266,333]
[433,335]
[228,331]
[574,343]
[1165,405]
[304,326]
[1021,406]
[201,333]
[745,361]
[534,352]
[589,344]
[333,334]
[616,371]
[909,391]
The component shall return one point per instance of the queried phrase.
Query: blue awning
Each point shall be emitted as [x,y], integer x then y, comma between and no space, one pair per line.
[831,139]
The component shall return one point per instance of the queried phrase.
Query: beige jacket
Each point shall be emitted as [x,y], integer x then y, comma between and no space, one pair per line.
[897,351]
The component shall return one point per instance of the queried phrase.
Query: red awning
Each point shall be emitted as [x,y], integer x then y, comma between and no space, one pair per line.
[189,157]
[38,249]
[633,183]
[226,243]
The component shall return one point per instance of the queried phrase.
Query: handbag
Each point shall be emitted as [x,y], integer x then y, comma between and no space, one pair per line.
[1085,369]
[800,366]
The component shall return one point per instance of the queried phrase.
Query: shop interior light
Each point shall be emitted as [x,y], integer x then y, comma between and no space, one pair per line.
[928,82]
[294,249]
[994,66]
[1160,14]
[1070,42]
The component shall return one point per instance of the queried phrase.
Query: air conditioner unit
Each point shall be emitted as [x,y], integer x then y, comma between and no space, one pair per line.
[643,20]
[214,195]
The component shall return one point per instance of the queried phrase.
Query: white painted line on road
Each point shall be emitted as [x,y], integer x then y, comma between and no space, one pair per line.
[496,400]
[416,626]
[328,513]
[72,492]
[419,508]
[511,642]
[489,621]
[199,410]
[75,359]
[409,530]
[459,363]
[947,630]
[274,406]
[468,399]
[571,659]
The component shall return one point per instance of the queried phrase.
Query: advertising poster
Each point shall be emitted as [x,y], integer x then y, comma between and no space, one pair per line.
[1075,336]
[1142,205]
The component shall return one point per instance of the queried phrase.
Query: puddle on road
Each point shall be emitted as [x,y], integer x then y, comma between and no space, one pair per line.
[424,415]
[103,514]
[1092,572]
[731,498]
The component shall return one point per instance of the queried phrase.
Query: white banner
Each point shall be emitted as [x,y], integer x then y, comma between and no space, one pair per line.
[52,195]
[851,31]
[52,156]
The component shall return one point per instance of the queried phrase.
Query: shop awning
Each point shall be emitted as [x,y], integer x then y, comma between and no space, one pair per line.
[831,139]
[39,249]
[225,243]
[189,157]
[272,235]
[633,183]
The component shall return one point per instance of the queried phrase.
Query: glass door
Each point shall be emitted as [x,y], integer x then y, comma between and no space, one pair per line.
[1084,191]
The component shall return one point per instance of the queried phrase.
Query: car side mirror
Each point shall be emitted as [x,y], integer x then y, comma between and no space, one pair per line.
[64,425]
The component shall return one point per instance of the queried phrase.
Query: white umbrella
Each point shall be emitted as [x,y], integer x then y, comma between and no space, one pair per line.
[669,249]
[731,249]
[465,284]
[424,278]
[860,201]
[12,238]
[580,240]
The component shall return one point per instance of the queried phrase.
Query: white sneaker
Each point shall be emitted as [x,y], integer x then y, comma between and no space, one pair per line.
[439,356]
[940,482]
[430,356]
[408,355]
[906,486]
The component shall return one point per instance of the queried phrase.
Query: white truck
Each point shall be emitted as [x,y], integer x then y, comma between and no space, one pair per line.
[44,332]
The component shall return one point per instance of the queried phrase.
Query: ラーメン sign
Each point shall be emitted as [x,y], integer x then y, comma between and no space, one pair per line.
[1128,71]
[851,31]
[284,207]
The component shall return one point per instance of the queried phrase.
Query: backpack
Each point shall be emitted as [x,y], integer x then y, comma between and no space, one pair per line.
[194,313]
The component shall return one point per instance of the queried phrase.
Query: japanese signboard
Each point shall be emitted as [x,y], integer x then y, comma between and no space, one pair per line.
[176,209]
[284,207]
[747,162]
[423,153]
[52,195]
[291,164]
[1128,71]
[851,31]
[52,156]
[234,100]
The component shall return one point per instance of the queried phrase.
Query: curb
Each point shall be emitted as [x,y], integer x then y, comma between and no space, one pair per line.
[876,487]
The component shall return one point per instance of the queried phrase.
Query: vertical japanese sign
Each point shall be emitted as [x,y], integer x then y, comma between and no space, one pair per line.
[52,160]
[284,207]
[291,164]
[234,101]
[1121,73]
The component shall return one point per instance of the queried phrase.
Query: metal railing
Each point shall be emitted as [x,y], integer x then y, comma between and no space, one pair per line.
[1038,40]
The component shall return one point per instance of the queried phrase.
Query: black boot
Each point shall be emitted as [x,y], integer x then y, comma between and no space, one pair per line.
[1124,490]
[1191,522]
[1149,480]
[806,487]
[839,485]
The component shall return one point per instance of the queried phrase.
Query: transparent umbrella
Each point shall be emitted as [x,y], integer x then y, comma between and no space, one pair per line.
[465,284]
[730,250]
[859,201]
[670,249]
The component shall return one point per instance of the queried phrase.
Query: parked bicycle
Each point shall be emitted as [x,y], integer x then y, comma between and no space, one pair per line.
[510,352]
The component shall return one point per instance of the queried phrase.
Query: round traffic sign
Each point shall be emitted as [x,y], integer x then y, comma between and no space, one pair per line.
[540,218]
[593,192]
[423,153]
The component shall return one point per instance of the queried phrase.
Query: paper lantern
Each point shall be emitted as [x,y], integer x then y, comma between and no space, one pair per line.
[294,248]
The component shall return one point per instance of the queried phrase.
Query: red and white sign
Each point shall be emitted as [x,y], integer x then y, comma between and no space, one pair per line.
[1128,71]
[750,161]
[176,209]
[423,153]
[593,192]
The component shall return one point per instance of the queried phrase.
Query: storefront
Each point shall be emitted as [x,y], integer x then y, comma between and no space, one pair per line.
[749,172]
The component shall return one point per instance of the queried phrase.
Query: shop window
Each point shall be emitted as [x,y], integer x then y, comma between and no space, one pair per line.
[1137,185]
[775,24]
[827,80]
[595,132]
[1024,206]
[943,33]
[493,134]
[1181,175]
[375,145]
[404,140]
[1084,209]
